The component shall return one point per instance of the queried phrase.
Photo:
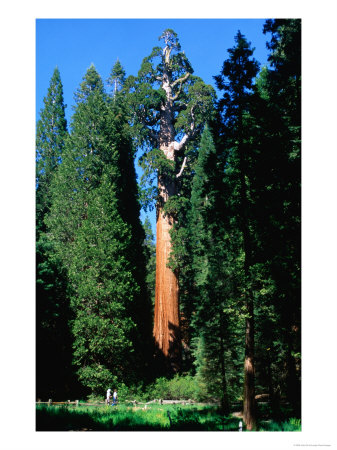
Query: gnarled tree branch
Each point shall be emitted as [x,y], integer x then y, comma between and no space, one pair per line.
[180,80]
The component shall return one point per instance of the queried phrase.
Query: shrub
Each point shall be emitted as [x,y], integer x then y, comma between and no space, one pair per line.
[178,387]
[97,378]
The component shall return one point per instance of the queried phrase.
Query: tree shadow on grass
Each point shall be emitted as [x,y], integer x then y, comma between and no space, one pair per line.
[201,420]
[62,419]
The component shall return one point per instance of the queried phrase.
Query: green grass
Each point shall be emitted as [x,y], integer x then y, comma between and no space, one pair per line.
[154,418]
[288,425]
[126,418]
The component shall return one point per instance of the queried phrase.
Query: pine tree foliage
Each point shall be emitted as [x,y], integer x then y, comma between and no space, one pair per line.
[104,289]
[94,224]
[117,77]
[150,248]
[52,310]
[213,316]
[51,133]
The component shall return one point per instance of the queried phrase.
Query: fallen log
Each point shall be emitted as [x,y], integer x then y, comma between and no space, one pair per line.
[262,397]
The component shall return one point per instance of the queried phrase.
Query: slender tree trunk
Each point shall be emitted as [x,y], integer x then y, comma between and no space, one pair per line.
[293,387]
[249,405]
[224,397]
[270,385]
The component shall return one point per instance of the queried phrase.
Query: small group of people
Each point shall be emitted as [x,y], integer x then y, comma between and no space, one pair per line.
[113,396]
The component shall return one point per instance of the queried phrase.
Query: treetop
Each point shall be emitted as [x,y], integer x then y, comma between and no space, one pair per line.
[170,38]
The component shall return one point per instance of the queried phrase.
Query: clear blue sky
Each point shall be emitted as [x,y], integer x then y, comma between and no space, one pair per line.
[73,44]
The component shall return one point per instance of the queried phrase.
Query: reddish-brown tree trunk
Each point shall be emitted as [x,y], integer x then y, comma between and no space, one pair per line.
[166,314]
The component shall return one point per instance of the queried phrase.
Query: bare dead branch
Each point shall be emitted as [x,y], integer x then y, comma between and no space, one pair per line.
[182,168]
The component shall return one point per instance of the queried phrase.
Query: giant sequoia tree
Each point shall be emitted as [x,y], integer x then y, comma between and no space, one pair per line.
[170,106]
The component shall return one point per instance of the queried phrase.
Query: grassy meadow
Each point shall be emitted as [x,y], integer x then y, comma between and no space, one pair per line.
[155,417]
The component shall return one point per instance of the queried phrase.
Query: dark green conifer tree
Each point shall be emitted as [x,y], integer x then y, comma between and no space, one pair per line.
[53,341]
[212,321]
[129,208]
[51,132]
[94,223]
[117,77]
[236,80]
[150,247]
[280,150]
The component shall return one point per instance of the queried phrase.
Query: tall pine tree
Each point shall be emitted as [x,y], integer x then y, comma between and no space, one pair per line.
[211,321]
[236,80]
[283,114]
[53,341]
[51,133]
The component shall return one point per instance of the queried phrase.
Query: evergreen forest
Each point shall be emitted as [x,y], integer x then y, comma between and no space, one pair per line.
[207,307]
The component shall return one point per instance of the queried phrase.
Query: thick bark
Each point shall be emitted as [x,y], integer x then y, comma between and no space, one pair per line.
[166,314]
